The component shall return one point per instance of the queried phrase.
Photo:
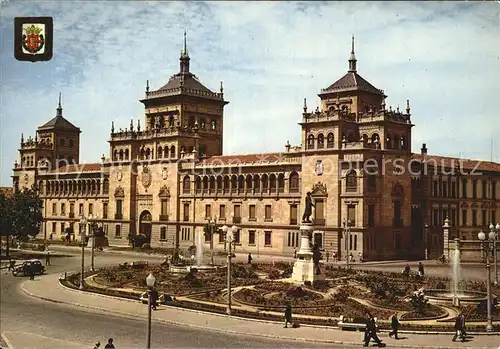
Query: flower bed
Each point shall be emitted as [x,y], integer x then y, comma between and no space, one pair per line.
[429,312]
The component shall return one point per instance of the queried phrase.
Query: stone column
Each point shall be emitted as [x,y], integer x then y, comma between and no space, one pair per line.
[446,238]
[303,269]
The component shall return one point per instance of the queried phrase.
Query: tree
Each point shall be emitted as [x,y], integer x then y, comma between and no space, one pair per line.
[20,214]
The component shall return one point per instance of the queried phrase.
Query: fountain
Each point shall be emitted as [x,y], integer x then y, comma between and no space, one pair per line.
[199,266]
[455,296]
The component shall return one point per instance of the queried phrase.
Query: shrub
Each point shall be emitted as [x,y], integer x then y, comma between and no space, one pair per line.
[274,274]
[341,296]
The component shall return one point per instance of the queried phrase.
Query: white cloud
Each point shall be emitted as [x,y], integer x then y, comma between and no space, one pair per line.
[270,55]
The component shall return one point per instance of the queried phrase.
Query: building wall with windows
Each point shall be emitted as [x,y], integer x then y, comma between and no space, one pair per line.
[168,178]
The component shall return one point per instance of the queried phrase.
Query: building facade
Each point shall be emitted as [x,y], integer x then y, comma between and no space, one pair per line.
[169,178]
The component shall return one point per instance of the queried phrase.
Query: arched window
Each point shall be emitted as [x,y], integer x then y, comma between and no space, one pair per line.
[171,121]
[294,182]
[205,184]
[329,140]
[256,183]
[241,183]
[172,152]
[148,154]
[265,183]
[202,124]
[249,183]
[126,155]
[141,154]
[186,185]
[214,125]
[403,142]
[197,184]
[121,154]
[272,183]
[219,184]
[310,142]
[115,155]
[281,183]
[375,138]
[212,184]
[159,152]
[388,142]
[227,184]
[62,142]
[234,184]
[71,143]
[351,184]
[321,141]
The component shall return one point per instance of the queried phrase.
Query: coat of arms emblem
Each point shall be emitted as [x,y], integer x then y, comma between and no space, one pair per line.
[146,177]
[33,38]
[319,167]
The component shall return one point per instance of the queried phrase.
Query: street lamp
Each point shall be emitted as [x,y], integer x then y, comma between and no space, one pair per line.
[496,231]
[83,225]
[228,232]
[347,238]
[150,282]
[426,241]
[93,222]
[487,247]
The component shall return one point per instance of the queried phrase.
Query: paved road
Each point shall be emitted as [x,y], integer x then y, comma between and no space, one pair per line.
[49,325]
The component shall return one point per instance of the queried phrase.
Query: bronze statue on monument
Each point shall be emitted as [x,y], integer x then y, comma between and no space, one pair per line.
[306,217]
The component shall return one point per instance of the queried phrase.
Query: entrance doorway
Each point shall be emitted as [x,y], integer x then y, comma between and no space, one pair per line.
[145,224]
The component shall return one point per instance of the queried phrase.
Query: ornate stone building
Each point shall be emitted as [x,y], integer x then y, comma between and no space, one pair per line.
[169,178]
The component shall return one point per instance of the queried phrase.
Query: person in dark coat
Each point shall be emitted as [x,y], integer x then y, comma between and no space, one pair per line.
[394,326]
[47,258]
[154,298]
[371,331]
[420,269]
[459,327]
[110,344]
[31,271]
[250,259]
[288,315]
[306,217]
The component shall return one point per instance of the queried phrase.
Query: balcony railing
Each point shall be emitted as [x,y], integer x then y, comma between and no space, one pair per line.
[118,216]
[236,220]
[164,217]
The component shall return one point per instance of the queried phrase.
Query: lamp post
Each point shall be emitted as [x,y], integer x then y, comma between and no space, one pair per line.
[150,282]
[495,230]
[93,220]
[486,246]
[426,241]
[212,226]
[229,238]
[83,225]
[347,238]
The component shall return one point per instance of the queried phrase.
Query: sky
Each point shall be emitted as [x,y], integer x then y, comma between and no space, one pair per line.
[442,56]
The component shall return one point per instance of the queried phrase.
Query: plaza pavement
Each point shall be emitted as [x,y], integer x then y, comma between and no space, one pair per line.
[48,288]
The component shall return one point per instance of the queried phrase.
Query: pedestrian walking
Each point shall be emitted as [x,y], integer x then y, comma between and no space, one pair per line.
[288,315]
[154,298]
[110,344]
[394,326]
[250,259]
[459,328]
[420,269]
[371,331]
[47,258]
[31,271]
[327,256]
[97,345]
[294,253]
[12,264]
[334,254]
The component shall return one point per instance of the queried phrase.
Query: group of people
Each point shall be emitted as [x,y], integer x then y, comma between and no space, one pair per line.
[109,345]
[407,270]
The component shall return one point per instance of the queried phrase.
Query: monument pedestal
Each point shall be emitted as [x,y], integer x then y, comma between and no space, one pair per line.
[303,269]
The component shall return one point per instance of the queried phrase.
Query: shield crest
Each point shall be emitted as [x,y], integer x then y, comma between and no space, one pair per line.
[33,38]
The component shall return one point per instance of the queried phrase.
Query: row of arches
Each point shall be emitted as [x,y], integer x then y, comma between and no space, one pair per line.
[74,187]
[319,141]
[146,153]
[264,183]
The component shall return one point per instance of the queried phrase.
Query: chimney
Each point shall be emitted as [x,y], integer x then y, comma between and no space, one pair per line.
[424,149]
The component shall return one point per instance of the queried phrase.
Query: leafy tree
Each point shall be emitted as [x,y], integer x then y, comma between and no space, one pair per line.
[20,214]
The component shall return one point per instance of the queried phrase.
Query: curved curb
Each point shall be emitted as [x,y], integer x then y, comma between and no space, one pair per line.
[7,341]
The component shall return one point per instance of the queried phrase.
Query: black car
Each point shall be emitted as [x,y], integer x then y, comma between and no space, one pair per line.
[24,269]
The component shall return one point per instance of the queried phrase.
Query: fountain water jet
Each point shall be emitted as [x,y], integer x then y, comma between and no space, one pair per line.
[455,276]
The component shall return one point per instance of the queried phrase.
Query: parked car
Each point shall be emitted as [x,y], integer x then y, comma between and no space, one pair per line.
[163,298]
[24,268]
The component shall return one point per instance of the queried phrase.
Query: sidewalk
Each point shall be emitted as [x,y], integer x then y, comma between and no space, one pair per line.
[48,288]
